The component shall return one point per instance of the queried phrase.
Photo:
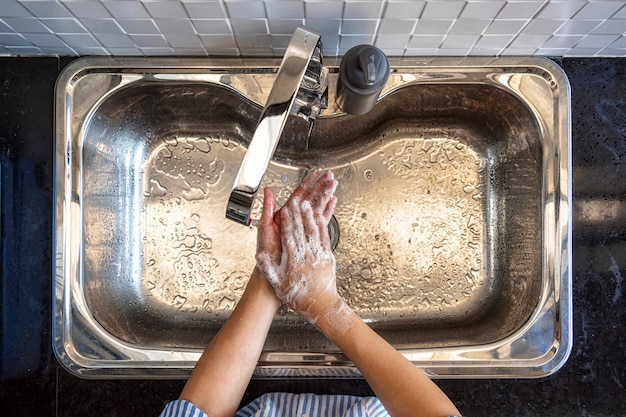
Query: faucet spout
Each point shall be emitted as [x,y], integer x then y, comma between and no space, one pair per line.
[298,91]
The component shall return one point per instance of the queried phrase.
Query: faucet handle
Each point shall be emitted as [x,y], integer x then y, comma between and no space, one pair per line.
[312,95]
[372,62]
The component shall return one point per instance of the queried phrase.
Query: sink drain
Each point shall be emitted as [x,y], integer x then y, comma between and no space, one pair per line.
[333,232]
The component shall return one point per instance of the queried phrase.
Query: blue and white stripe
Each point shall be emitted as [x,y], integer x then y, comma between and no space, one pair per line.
[181,408]
[297,405]
[293,405]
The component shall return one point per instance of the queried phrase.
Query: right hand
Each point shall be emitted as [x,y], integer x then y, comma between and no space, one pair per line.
[305,277]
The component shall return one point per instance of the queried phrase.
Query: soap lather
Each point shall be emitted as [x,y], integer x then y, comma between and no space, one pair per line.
[363,73]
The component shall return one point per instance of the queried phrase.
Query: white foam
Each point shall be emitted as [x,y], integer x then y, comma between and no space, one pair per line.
[305,206]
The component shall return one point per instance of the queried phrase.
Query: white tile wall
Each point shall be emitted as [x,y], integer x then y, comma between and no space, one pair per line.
[263,27]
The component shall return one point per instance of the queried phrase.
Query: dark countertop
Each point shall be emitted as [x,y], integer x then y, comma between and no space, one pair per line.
[590,384]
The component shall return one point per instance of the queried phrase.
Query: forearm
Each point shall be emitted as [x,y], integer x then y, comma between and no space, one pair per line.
[404,389]
[223,372]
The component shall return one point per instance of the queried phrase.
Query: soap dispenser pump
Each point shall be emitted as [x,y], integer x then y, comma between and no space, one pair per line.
[363,73]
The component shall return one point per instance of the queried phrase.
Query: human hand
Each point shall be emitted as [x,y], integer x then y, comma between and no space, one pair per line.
[305,276]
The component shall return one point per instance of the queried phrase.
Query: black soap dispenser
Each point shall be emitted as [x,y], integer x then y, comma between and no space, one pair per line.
[363,73]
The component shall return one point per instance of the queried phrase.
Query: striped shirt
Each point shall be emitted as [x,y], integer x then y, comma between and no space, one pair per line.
[292,405]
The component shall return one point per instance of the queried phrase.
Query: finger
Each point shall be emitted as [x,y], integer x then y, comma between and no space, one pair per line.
[328,193]
[320,182]
[322,197]
[286,235]
[309,180]
[322,191]
[292,237]
[312,177]
[329,210]
[298,226]
[277,217]
[269,206]
[311,227]
[322,220]
[324,237]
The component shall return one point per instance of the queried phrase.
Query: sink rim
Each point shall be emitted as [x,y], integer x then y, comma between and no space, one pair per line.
[125,360]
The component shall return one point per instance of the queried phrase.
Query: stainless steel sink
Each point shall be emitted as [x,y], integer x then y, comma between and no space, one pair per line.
[453,225]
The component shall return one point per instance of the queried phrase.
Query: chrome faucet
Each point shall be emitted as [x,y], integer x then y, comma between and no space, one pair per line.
[300,90]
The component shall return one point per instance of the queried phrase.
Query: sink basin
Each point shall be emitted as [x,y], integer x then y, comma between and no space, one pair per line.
[452,232]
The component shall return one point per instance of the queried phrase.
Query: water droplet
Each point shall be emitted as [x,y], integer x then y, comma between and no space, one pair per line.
[179,301]
[151,262]
[203,145]
[155,189]
[193,194]
[173,141]
[227,303]
[187,145]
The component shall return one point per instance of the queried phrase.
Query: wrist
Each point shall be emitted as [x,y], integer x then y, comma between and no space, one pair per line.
[262,290]
[337,319]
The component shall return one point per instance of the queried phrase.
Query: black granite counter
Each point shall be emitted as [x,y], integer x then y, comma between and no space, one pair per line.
[590,384]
